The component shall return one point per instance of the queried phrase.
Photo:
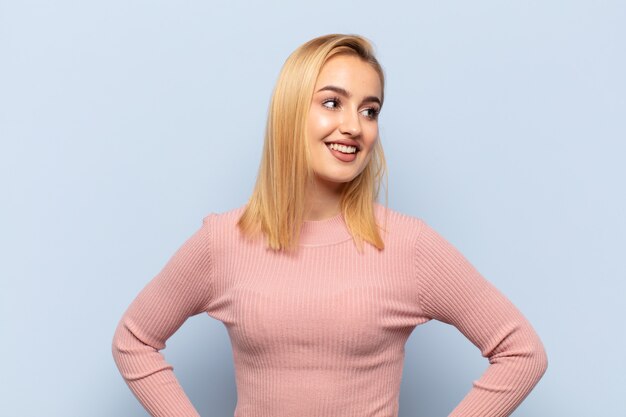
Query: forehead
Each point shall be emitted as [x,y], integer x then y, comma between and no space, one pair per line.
[351,73]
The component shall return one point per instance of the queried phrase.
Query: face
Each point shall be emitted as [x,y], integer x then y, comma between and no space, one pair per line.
[344,109]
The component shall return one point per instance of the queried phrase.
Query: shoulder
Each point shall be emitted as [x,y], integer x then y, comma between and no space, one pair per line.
[397,225]
[220,219]
[396,218]
[223,229]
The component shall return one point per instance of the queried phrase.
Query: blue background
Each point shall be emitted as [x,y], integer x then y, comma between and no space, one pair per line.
[123,124]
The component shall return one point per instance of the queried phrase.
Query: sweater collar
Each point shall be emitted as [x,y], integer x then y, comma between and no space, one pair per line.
[324,232]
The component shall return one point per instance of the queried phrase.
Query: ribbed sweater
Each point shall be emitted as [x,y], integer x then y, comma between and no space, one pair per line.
[322,333]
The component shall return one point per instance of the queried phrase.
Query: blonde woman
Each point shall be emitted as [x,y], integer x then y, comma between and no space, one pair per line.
[319,285]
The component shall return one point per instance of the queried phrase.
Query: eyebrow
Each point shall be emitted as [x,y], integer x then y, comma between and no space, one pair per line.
[345,93]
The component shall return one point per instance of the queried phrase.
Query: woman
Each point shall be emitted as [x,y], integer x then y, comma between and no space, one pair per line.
[319,285]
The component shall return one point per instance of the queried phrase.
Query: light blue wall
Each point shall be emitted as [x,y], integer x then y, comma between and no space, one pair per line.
[123,123]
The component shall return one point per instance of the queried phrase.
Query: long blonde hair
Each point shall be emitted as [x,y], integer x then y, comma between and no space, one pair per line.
[276,205]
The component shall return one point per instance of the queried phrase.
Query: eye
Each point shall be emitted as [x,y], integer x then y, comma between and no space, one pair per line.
[373,113]
[331,100]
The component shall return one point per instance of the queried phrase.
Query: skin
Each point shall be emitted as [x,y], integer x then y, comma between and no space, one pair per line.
[351,117]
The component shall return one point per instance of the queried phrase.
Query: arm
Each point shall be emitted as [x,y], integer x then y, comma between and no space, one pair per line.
[452,291]
[180,290]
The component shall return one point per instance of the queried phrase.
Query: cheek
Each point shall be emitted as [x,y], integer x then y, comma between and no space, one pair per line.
[320,122]
[371,135]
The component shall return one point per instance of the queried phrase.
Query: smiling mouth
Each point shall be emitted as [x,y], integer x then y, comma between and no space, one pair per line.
[357,150]
[345,157]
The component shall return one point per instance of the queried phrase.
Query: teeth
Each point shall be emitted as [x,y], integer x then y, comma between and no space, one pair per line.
[342,148]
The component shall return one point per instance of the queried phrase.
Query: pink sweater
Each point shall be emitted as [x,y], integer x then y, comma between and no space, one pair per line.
[322,334]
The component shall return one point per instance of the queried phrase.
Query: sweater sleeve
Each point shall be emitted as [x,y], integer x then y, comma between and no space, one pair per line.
[180,290]
[452,291]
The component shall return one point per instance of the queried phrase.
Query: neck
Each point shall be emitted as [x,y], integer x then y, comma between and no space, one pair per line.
[323,201]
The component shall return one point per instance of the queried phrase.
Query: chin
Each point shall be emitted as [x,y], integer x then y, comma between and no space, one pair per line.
[338,179]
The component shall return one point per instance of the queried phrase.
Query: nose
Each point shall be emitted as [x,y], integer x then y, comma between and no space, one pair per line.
[350,123]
